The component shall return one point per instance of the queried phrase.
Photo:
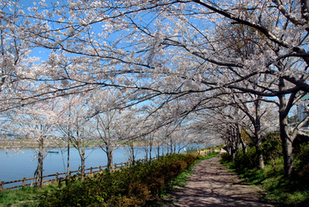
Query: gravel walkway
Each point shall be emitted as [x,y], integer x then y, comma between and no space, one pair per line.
[211,184]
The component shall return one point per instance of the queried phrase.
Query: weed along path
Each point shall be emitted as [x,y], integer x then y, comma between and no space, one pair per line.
[211,184]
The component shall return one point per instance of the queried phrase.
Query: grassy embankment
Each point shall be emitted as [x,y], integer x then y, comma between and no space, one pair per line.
[167,174]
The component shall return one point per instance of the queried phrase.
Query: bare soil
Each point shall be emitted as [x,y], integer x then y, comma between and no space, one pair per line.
[212,184]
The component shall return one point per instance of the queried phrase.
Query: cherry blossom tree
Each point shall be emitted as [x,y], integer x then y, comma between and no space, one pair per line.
[22,74]
[108,122]
[37,122]
[148,145]
[134,131]
[169,49]
[228,124]
[257,113]
[75,125]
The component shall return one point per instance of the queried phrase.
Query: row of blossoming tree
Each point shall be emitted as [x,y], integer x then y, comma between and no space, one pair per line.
[220,67]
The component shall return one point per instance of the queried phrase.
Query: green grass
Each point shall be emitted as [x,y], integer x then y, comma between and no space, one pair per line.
[278,190]
[28,196]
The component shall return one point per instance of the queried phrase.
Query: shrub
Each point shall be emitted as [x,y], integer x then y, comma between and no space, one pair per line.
[246,160]
[302,167]
[225,157]
[299,141]
[132,186]
[198,157]
[271,147]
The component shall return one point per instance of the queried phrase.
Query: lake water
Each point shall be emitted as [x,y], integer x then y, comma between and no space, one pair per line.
[16,166]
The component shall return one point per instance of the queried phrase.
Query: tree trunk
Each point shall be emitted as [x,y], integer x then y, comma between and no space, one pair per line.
[284,108]
[175,146]
[68,162]
[258,144]
[164,147]
[243,145]
[39,170]
[287,149]
[259,154]
[109,154]
[257,133]
[150,149]
[82,160]
[146,153]
[229,149]
[158,154]
[233,153]
[234,143]
[132,157]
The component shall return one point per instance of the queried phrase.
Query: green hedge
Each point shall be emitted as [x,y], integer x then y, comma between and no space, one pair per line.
[133,186]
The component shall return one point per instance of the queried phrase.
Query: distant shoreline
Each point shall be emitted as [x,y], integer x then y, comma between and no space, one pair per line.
[31,144]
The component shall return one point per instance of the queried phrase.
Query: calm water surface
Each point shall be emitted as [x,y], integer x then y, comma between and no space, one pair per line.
[23,164]
[16,166]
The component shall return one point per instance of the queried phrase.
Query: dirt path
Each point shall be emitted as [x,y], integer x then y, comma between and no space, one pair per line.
[211,184]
